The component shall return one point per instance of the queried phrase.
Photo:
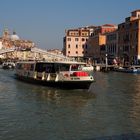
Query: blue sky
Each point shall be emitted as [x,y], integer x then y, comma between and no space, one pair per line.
[45,21]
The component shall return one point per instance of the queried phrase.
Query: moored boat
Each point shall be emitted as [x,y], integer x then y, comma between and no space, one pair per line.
[8,65]
[63,74]
[130,69]
[88,68]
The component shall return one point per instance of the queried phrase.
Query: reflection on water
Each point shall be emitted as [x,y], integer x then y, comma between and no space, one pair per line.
[111,107]
[53,95]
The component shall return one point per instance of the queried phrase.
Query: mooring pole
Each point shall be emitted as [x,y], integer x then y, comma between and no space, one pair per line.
[106,62]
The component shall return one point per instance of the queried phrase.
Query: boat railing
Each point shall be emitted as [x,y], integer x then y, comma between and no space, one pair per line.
[44,76]
[60,76]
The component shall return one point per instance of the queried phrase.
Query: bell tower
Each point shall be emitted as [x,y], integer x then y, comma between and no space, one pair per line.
[6,34]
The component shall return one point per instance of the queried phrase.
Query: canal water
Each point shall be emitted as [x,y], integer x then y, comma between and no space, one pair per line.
[109,109]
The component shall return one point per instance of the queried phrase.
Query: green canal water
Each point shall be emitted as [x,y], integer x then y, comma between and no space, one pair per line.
[109,109]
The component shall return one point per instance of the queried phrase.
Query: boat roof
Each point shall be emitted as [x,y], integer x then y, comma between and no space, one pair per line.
[56,62]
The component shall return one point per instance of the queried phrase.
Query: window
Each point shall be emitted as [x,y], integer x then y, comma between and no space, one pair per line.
[74,67]
[76,39]
[69,46]
[76,46]
[86,46]
[76,52]
[69,39]
[68,52]
[83,39]
[63,67]
[47,67]
[126,48]
[77,34]
[71,33]
[136,24]
[32,67]
[84,34]
[136,36]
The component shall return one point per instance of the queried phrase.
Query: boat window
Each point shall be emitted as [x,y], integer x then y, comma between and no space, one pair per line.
[74,67]
[57,67]
[64,67]
[19,66]
[45,67]
[25,66]
[50,68]
[39,67]
[32,67]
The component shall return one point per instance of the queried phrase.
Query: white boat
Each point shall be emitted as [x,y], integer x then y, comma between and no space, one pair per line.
[130,69]
[8,65]
[88,68]
[63,74]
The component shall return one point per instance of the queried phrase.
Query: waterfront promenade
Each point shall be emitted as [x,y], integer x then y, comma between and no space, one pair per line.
[110,109]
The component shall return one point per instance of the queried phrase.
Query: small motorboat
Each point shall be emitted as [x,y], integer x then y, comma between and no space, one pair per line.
[130,69]
[8,65]
[87,68]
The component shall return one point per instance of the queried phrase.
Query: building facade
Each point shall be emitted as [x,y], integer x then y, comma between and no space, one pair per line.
[103,29]
[129,39]
[75,42]
[96,48]
[112,46]
[97,42]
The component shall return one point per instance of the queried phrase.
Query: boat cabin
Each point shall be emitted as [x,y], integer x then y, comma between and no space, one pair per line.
[50,67]
[55,72]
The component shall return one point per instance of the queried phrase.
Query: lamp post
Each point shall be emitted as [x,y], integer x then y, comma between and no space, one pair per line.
[106,61]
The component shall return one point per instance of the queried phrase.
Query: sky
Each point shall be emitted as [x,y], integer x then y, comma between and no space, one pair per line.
[45,21]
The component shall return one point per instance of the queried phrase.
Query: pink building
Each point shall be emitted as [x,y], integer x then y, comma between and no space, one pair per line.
[75,42]
[103,29]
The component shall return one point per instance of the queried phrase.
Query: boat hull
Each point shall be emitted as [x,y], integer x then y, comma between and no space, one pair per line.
[58,84]
[124,70]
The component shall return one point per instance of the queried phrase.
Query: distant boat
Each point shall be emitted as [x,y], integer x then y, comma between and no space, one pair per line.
[61,74]
[130,69]
[87,68]
[8,65]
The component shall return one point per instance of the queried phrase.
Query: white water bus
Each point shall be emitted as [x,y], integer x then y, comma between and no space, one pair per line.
[63,74]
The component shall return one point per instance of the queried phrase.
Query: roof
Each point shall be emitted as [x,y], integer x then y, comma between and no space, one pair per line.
[109,25]
[138,10]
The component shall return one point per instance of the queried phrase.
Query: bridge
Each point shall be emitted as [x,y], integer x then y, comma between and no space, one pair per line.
[49,55]
[36,50]
[4,51]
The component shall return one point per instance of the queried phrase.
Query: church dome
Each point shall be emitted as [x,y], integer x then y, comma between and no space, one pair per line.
[14,36]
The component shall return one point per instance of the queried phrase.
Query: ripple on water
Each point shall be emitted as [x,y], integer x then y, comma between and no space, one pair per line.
[110,108]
